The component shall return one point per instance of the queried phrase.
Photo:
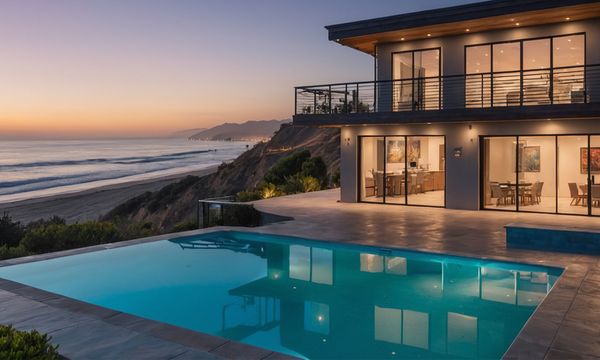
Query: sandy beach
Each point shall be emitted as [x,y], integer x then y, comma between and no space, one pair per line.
[89,204]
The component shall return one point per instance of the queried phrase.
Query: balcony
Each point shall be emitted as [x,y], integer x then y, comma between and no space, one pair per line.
[528,94]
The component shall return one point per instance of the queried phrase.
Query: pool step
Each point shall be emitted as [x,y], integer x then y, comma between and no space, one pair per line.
[553,238]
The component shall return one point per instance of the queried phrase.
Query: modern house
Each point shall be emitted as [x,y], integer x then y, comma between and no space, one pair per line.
[492,105]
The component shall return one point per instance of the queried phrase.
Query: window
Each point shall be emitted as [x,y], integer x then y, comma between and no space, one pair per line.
[545,173]
[417,80]
[526,72]
[403,170]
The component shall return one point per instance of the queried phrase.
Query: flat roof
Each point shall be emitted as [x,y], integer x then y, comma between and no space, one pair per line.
[482,16]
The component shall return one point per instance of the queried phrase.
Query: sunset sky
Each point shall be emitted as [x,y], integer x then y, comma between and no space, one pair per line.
[83,68]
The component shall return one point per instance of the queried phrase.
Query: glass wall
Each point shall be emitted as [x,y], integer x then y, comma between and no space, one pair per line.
[547,173]
[572,174]
[537,173]
[426,170]
[499,173]
[395,169]
[372,167]
[526,72]
[416,76]
[593,162]
[403,170]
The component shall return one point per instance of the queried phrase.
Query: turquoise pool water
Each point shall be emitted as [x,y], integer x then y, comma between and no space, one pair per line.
[306,298]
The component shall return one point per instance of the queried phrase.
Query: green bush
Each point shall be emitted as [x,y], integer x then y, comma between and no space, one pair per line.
[287,166]
[11,231]
[184,226]
[8,252]
[300,184]
[270,190]
[315,167]
[246,196]
[23,345]
[54,237]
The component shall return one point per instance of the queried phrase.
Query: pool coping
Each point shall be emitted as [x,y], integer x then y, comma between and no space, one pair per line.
[533,341]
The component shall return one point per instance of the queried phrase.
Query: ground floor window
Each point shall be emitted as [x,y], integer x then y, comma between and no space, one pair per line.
[402,170]
[550,174]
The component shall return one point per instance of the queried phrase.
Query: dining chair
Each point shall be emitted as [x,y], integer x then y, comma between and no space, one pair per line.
[576,197]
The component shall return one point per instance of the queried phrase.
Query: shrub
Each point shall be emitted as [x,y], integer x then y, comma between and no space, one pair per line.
[315,167]
[24,345]
[246,196]
[7,252]
[335,178]
[54,237]
[184,226]
[310,184]
[270,191]
[286,166]
[11,231]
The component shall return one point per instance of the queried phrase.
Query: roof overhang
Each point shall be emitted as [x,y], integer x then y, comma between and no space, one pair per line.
[483,16]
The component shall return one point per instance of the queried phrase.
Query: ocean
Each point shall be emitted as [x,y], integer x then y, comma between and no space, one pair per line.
[31,169]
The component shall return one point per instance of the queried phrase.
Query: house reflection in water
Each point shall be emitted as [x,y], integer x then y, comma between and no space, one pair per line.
[331,303]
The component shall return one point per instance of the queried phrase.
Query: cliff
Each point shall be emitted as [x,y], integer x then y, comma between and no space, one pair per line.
[177,202]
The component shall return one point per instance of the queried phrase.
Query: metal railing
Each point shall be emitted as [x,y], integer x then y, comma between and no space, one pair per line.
[546,86]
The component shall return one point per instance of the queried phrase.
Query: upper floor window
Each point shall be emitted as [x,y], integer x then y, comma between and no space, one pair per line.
[416,80]
[526,72]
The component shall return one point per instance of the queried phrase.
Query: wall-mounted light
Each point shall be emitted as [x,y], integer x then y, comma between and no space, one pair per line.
[471,133]
[457,152]
[347,141]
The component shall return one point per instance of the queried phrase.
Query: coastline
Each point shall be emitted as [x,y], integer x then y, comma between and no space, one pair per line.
[89,204]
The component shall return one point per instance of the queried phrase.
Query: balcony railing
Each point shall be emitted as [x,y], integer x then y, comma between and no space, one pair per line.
[562,85]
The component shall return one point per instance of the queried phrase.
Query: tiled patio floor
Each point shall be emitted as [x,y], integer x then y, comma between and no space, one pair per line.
[565,326]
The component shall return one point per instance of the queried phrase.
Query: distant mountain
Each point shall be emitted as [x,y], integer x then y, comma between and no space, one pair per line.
[250,130]
[186,133]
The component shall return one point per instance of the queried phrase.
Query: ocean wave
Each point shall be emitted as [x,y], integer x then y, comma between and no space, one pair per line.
[118,160]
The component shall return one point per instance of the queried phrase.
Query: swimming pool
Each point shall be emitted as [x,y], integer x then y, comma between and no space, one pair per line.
[307,298]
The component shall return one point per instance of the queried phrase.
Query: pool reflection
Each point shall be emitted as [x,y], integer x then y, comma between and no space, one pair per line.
[320,302]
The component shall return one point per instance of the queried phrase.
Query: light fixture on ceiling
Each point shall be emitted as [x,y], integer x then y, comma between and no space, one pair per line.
[467,30]
[428,35]
[567,18]
[518,24]
[402,39]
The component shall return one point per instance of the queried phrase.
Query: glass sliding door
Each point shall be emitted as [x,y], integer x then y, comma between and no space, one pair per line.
[572,174]
[506,66]
[417,80]
[536,72]
[372,169]
[396,169]
[593,159]
[403,170]
[499,173]
[537,173]
[426,170]
[478,83]
[569,73]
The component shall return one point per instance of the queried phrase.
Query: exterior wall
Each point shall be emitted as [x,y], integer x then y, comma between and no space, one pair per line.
[453,55]
[462,174]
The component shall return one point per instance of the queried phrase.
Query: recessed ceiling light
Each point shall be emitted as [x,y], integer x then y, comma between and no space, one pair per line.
[567,18]
[428,34]
[467,30]
[512,20]
[518,24]
[401,39]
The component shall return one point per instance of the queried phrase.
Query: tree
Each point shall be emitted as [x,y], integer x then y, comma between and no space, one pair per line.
[286,167]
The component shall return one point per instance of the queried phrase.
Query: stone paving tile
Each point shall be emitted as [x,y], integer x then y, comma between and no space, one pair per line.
[554,354]
[578,340]
[81,307]
[186,337]
[235,350]
[195,355]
